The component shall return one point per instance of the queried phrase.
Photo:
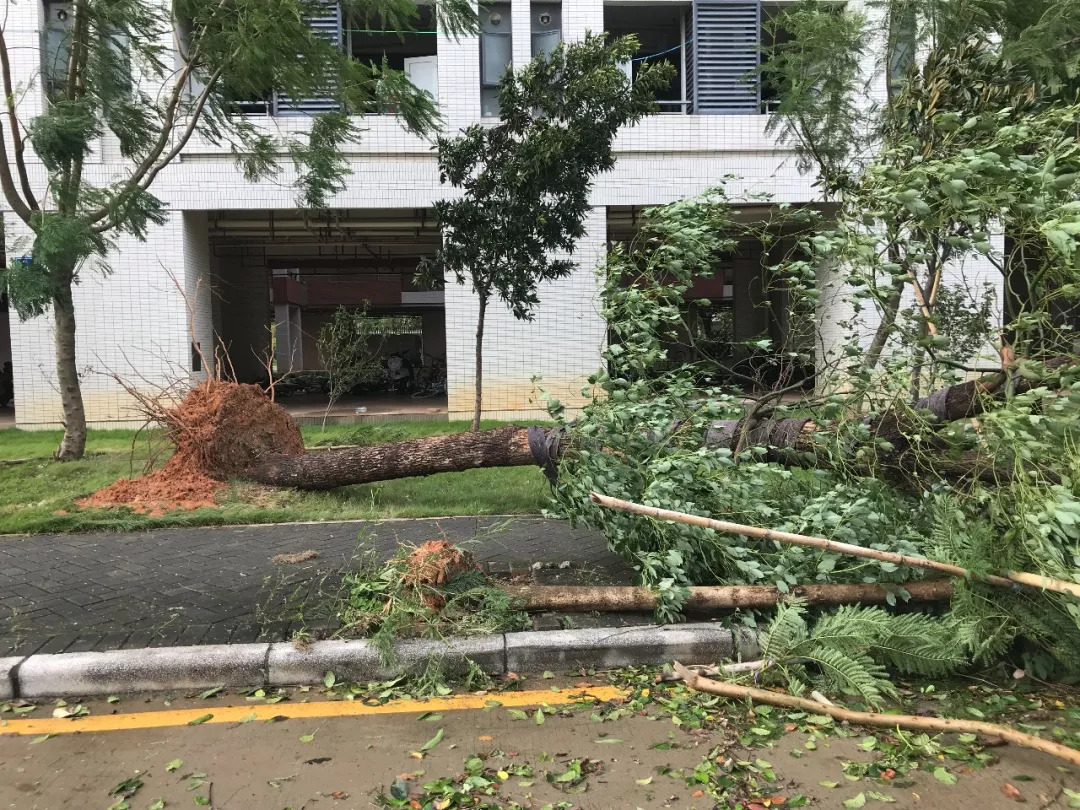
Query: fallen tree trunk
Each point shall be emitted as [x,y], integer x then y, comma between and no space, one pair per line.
[875,719]
[501,447]
[788,441]
[575,599]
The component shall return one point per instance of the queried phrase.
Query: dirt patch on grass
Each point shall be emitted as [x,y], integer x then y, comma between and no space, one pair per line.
[218,430]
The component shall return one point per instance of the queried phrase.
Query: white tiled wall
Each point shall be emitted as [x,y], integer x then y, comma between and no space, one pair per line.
[135,321]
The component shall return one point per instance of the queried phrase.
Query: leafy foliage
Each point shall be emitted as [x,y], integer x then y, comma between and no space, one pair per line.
[852,648]
[525,182]
[350,345]
[382,602]
[111,73]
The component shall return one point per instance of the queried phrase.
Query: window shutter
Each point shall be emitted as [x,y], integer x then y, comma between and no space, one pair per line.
[329,27]
[727,36]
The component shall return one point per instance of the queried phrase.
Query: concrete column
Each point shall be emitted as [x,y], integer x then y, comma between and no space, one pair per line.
[289,338]
[521,30]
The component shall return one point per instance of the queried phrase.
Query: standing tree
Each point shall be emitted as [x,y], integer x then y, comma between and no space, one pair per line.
[351,345]
[111,74]
[953,74]
[526,182]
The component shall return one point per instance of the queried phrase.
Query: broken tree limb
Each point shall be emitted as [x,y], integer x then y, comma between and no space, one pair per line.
[823,543]
[876,719]
[571,599]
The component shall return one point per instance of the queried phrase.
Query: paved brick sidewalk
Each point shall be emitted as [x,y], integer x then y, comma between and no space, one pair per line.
[215,585]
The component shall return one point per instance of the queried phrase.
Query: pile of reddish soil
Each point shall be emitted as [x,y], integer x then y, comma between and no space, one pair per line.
[218,430]
[432,565]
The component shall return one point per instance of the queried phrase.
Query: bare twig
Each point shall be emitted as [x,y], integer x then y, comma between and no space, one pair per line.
[876,719]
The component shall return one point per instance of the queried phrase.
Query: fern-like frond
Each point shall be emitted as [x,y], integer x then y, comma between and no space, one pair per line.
[856,674]
[786,632]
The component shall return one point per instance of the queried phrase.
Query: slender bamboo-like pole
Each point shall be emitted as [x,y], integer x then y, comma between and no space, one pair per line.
[1010,579]
[936,724]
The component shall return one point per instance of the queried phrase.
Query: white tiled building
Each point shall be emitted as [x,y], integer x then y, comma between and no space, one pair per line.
[244,257]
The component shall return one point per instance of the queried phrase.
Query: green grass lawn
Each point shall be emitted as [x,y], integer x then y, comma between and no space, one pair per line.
[32,492]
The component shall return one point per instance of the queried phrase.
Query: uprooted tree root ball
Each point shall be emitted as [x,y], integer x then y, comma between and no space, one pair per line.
[217,430]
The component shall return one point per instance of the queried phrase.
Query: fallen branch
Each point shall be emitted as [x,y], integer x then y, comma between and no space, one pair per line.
[580,599]
[876,719]
[1009,580]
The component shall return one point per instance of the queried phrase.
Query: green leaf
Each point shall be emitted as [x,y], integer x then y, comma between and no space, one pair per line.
[856,801]
[433,741]
[517,714]
[156,804]
[172,766]
[646,781]
[430,717]
[127,788]
[198,721]
[329,678]
[209,693]
[944,776]
[306,738]
[548,674]
[40,739]
[880,797]
[399,790]
[539,717]
[1074,797]
[828,784]
[112,699]
[202,801]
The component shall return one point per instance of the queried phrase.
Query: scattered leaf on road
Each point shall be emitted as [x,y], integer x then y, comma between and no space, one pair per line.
[305,738]
[608,740]
[433,741]
[856,801]
[646,781]
[1012,792]
[198,721]
[329,678]
[518,714]
[944,776]
[209,693]
[539,717]
[156,804]
[40,739]
[172,766]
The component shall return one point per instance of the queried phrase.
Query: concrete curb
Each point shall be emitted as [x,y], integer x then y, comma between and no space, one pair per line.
[282,664]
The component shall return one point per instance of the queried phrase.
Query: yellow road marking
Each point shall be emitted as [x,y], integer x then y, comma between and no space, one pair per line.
[322,708]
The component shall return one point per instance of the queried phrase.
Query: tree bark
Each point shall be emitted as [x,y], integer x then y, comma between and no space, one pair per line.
[501,447]
[577,599]
[73,445]
[478,383]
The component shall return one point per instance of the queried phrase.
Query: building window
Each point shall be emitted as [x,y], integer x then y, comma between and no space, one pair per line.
[724,74]
[495,54]
[56,45]
[663,32]
[546,27]
[111,63]
[414,52]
